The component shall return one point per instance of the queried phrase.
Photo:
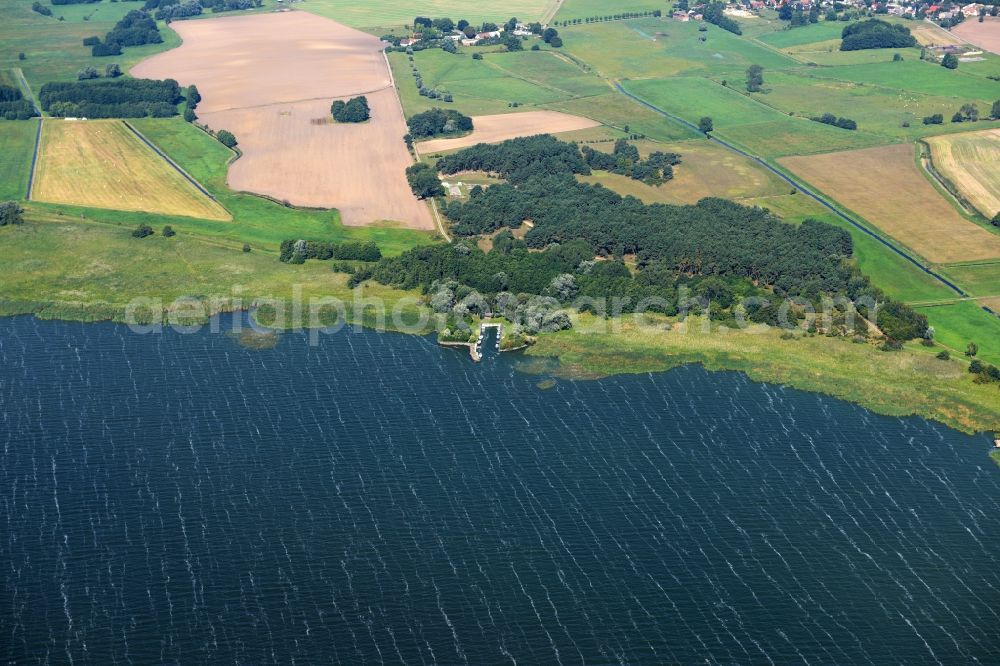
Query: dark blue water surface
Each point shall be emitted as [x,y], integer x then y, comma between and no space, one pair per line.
[179,499]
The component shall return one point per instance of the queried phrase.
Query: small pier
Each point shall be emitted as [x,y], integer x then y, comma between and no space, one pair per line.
[488,343]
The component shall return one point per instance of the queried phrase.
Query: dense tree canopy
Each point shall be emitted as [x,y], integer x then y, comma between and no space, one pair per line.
[13,106]
[111,98]
[134,29]
[11,213]
[354,110]
[740,248]
[297,251]
[876,34]
[625,160]
[714,13]
[438,121]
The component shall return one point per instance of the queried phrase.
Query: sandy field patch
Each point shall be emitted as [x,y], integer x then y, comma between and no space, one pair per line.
[270,79]
[971,161]
[706,170]
[500,127]
[885,186]
[985,35]
[243,61]
[359,168]
[102,164]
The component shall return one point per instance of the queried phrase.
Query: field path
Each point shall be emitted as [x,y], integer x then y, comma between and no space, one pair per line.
[270,79]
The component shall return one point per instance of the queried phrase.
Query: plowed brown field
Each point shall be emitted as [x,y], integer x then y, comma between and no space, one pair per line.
[267,78]
[500,127]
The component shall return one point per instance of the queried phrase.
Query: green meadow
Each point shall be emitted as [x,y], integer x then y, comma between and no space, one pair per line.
[745,121]
[17,138]
[402,12]
[916,76]
[54,49]
[958,324]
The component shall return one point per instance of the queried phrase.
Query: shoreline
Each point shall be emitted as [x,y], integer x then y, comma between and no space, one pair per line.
[836,368]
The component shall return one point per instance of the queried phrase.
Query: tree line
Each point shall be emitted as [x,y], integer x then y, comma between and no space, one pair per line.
[714,13]
[625,160]
[111,98]
[354,110]
[298,251]
[436,121]
[830,119]
[169,10]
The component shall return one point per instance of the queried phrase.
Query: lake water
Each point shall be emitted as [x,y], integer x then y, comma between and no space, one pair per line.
[180,499]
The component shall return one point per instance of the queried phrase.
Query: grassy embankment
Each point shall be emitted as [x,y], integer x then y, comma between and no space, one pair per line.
[82,263]
[909,382]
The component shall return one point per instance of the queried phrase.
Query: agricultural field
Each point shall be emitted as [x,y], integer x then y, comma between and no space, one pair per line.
[706,170]
[744,120]
[885,187]
[895,114]
[917,76]
[18,140]
[654,48]
[985,35]
[276,98]
[494,129]
[981,280]
[103,164]
[971,163]
[387,13]
[491,85]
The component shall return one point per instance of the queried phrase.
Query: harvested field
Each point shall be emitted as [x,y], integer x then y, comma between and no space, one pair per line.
[266,78]
[930,34]
[885,186]
[970,162]
[706,170]
[500,127]
[102,164]
[985,35]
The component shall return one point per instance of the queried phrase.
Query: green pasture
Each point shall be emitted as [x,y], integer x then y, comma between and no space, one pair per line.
[530,78]
[916,76]
[809,34]
[743,120]
[17,143]
[958,324]
[402,12]
[54,50]
[876,109]
[647,48]
[977,279]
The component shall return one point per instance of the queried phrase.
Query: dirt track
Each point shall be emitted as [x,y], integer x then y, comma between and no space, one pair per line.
[266,78]
[496,128]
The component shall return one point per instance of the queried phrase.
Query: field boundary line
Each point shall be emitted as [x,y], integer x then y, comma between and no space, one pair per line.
[173,164]
[34,159]
[926,158]
[801,186]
